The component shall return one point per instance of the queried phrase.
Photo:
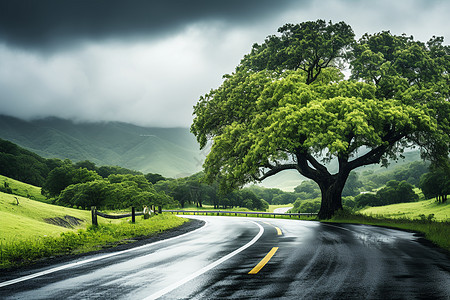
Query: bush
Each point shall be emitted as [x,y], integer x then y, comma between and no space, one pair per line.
[306,206]
[393,192]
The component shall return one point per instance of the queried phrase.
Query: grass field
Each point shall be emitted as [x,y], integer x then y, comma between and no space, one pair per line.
[27,220]
[411,210]
[26,232]
[23,189]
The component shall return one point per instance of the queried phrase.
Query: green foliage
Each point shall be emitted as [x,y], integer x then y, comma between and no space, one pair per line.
[393,192]
[23,165]
[193,190]
[61,177]
[306,206]
[105,171]
[154,178]
[397,192]
[436,183]
[308,189]
[367,199]
[287,106]
[269,195]
[410,173]
[309,46]
[352,185]
[118,192]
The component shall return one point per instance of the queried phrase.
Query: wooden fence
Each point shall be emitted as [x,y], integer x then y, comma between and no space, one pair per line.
[133,214]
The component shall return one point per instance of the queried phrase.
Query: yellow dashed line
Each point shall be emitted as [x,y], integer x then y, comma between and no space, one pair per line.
[264,261]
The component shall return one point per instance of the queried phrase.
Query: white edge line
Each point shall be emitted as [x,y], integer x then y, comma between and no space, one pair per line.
[79,263]
[175,285]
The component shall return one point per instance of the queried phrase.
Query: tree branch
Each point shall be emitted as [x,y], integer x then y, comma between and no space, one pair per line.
[374,155]
[306,170]
[276,169]
[318,166]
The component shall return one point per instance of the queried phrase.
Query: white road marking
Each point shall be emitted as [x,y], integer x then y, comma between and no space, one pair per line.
[79,263]
[208,267]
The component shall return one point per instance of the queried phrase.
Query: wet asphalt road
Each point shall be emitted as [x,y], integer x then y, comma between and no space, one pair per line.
[310,260]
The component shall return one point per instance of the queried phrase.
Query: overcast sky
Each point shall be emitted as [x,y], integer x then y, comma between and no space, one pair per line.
[148,62]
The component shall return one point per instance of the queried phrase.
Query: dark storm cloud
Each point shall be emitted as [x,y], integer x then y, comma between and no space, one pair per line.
[148,62]
[49,22]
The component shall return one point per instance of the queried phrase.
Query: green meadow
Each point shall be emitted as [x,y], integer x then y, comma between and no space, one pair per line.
[23,189]
[28,218]
[412,210]
[31,230]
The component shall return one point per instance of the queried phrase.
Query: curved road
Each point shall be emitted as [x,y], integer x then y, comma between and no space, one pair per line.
[251,258]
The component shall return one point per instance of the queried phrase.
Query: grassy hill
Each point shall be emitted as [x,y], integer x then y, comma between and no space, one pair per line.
[412,210]
[23,189]
[31,219]
[171,152]
[31,230]
[28,219]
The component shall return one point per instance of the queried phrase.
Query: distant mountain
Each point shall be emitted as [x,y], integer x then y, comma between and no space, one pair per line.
[171,152]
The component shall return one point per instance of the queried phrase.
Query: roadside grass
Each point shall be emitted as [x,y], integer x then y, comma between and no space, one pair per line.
[437,232]
[26,236]
[23,189]
[25,251]
[412,210]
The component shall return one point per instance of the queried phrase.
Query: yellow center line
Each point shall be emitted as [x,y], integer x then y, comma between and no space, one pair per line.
[264,261]
[278,229]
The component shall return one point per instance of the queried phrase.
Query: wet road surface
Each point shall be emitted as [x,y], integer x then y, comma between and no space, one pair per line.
[251,258]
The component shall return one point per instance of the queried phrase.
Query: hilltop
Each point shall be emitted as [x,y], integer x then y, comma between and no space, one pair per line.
[171,152]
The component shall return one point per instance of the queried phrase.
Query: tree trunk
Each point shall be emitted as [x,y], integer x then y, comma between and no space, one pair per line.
[331,196]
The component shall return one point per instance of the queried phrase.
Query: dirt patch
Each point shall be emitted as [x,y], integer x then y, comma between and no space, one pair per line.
[66,221]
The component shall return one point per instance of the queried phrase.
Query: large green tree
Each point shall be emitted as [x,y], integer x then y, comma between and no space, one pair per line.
[288,106]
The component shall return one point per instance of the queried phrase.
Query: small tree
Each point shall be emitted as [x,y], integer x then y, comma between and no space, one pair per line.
[436,183]
[288,106]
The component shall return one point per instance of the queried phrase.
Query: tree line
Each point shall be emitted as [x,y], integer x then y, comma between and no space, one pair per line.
[83,184]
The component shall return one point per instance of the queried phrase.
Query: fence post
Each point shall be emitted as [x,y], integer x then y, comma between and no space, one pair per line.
[146,213]
[94,215]
[133,215]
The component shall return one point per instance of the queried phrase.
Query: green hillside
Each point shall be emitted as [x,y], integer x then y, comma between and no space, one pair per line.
[172,152]
[412,210]
[28,219]
[31,219]
[22,189]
